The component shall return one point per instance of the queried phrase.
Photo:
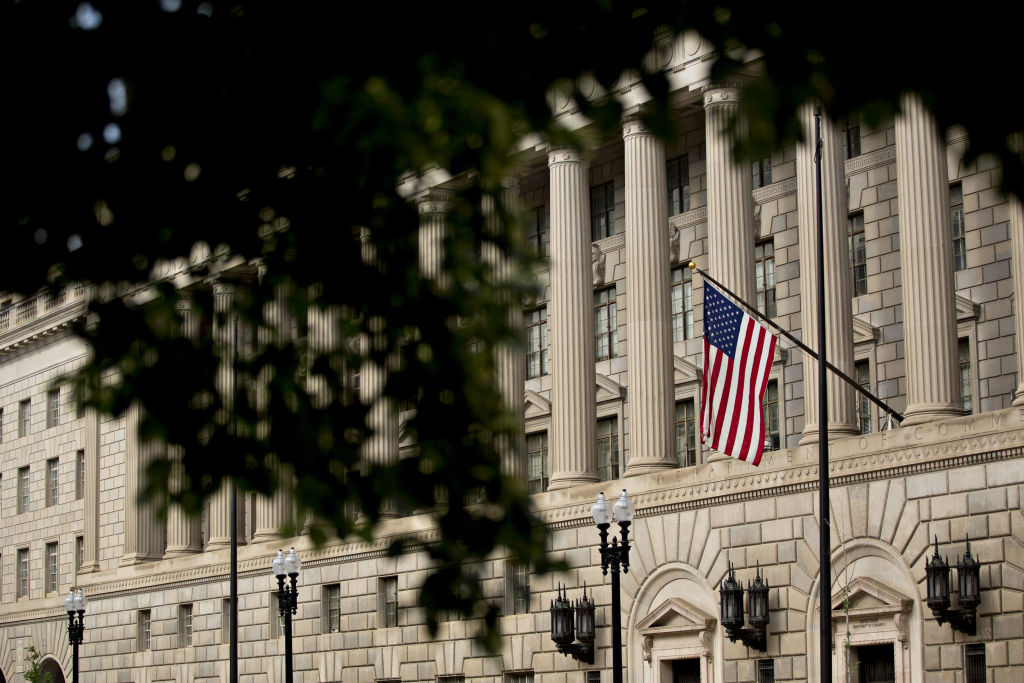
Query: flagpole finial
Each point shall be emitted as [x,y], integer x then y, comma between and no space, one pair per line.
[691,265]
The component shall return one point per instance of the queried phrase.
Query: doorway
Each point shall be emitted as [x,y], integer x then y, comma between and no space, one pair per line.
[685,671]
[875,664]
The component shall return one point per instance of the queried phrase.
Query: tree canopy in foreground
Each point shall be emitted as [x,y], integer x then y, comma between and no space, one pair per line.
[279,132]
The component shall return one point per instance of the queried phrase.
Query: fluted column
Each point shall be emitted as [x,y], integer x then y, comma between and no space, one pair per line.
[571,322]
[648,316]
[381,447]
[433,207]
[273,512]
[1017,259]
[91,532]
[223,330]
[144,537]
[730,199]
[183,530]
[510,370]
[842,408]
[730,202]
[926,262]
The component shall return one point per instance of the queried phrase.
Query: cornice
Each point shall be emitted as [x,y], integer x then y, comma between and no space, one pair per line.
[688,218]
[775,190]
[884,156]
[42,327]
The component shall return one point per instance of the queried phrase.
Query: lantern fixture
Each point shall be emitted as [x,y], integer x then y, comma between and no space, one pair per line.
[964,618]
[75,604]
[287,599]
[565,629]
[731,594]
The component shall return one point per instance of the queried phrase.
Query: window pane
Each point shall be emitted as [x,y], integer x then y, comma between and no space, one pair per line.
[966,395]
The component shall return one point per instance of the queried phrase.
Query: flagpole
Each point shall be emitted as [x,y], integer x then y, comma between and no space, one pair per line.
[824,537]
[803,347]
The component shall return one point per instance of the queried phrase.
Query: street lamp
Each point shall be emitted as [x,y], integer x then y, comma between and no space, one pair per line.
[75,603]
[757,605]
[287,600]
[614,556]
[937,572]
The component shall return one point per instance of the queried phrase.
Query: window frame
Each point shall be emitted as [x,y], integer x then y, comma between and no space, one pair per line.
[764,669]
[537,320]
[858,268]
[761,172]
[144,630]
[185,631]
[79,552]
[684,316]
[545,462]
[611,323]
[615,465]
[517,587]
[850,134]
[958,227]
[331,608]
[80,474]
[864,408]
[24,483]
[22,571]
[692,422]
[52,481]
[779,388]
[607,211]
[24,418]
[682,184]
[767,308]
[52,568]
[388,610]
[52,408]
[971,673]
[537,230]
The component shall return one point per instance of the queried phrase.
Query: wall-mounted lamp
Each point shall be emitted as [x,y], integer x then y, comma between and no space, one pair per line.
[757,608]
[562,626]
[965,618]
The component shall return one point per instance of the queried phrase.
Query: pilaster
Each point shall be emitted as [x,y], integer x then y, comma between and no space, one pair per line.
[1017,259]
[926,262]
[571,323]
[144,535]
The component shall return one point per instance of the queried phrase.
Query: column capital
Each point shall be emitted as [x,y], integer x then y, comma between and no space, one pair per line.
[632,125]
[184,303]
[724,93]
[565,155]
[434,201]
[221,288]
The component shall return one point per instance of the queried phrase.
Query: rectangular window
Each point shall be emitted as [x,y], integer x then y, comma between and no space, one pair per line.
[537,462]
[389,601]
[772,439]
[974,663]
[851,138]
[22,571]
[145,635]
[518,677]
[956,215]
[764,276]
[451,678]
[602,211]
[518,587]
[678,185]
[331,607]
[52,408]
[225,620]
[80,475]
[79,552]
[276,618]
[606,329]
[52,481]
[537,230]
[185,625]
[537,354]
[1,425]
[966,395]
[766,671]
[22,489]
[686,440]
[762,172]
[682,304]
[594,676]
[24,418]
[607,449]
[51,567]
[862,372]
[858,254]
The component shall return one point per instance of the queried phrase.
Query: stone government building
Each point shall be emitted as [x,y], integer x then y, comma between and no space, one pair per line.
[616,226]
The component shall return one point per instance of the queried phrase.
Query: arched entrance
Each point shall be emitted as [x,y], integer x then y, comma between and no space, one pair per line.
[51,667]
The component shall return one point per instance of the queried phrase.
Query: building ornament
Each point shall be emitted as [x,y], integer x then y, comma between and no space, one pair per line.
[565,155]
[434,201]
[783,188]
[598,258]
[864,162]
[673,243]
[717,94]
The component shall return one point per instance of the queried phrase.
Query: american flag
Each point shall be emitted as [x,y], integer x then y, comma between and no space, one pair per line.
[738,354]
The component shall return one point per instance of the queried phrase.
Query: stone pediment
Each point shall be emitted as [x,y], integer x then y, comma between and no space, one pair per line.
[863,331]
[675,616]
[868,597]
[535,405]
[685,371]
[608,389]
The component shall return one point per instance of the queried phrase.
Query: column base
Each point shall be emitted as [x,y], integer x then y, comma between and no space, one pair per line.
[218,544]
[1018,396]
[137,558]
[810,436]
[180,551]
[929,412]
[265,536]
[641,467]
[566,480]
[89,567]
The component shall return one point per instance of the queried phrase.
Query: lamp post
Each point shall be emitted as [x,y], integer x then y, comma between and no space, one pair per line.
[75,604]
[287,600]
[614,556]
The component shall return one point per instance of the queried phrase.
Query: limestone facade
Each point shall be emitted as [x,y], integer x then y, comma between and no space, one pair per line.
[157,609]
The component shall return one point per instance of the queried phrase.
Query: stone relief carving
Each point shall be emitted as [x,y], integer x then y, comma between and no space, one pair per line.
[598,263]
[646,644]
[706,639]
[902,621]
[673,244]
